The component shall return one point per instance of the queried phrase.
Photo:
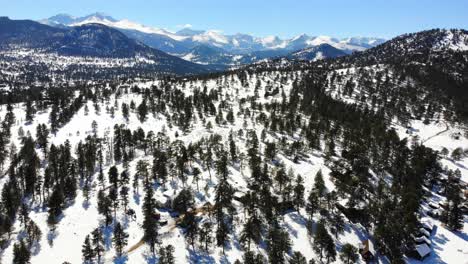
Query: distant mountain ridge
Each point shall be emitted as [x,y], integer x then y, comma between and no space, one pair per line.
[321,51]
[87,40]
[182,42]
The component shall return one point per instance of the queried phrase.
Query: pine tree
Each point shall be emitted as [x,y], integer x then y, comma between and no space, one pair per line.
[297,258]
[349,254]
[97,242]
[120,239]
[278,244]
[150,227]
[21,254]
[183,201]
[319,184]
[142,111]
[196,175]
[282,178]
[55,206]
[124,197]
[230,117]
[452,214]
[298,193]
[114,176]
[323,243]
[30,111]
[250,257]
[251,232]
[87,251]
[104,206]
[232,148]
[222,234]
[191,230]
[205,236]
[125,111]
[166,255]
[34,233]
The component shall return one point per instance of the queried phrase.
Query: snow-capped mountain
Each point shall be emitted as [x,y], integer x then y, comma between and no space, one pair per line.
[182,42]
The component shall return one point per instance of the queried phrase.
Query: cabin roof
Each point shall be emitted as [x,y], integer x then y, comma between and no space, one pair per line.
[423,250]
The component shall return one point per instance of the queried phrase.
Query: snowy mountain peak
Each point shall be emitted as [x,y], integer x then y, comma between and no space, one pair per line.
[301,37]
[100,15]
[212,37]
[189,32]
[181,43]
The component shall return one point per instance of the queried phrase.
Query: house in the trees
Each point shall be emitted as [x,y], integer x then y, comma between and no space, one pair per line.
[422,240]
[429,227]
[420,251]
[367,250]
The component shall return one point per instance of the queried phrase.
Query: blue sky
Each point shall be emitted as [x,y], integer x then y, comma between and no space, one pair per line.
[381,18]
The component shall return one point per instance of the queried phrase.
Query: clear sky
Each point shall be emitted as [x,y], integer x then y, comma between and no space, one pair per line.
[339,18]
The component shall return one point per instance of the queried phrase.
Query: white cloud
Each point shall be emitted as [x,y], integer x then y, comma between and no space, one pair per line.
[185,26]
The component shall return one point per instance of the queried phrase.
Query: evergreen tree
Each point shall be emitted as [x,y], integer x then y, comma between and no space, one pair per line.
[323,243]
[142,111]
[21,254]
[166,255]
[150,228]
[297,258]
[87,251]
[205,236]
[55,206]
[222,234]
[349,254]
[114,177]
[250,257]
[298,193]
[104,206]
[34,233]
[125,111]
[30,111]
[232,148]
[97,243]
[183,201]
[191,230]
[278,244]
[120,239]
[251,232]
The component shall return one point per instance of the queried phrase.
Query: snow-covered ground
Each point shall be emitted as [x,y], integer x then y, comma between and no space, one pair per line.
[80,219]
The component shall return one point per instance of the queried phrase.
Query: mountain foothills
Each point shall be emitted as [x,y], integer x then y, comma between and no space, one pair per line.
[113,151]
[24,40]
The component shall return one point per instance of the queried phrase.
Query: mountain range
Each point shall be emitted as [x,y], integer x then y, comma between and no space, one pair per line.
[212,46]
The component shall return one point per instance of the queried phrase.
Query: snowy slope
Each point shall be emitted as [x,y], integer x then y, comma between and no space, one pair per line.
[79,218]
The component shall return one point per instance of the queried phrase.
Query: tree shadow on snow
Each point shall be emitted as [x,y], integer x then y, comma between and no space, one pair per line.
[107,232]
[439,240]
[85,204]
[51,235]
[299,219]
[199,257]
[150,258]
[35,248]
[136,198]
[200,196]
[121,260]
[224,260]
